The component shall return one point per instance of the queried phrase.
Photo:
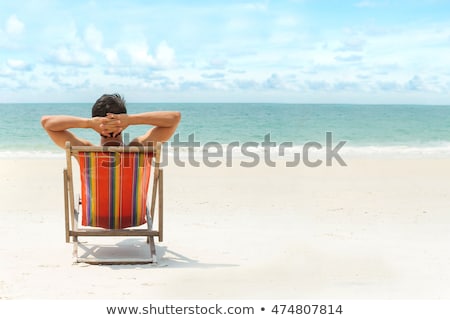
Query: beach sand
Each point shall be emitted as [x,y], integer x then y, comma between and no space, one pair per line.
[376,229]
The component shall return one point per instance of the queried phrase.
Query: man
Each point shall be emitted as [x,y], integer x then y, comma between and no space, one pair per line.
[109,119]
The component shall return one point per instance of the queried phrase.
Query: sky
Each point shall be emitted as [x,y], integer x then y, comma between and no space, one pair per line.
[297,51]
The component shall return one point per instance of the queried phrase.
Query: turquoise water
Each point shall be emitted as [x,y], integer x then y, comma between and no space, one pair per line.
[366,128]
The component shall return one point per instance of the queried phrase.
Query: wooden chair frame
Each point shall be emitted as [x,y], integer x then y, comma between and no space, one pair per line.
[71,208]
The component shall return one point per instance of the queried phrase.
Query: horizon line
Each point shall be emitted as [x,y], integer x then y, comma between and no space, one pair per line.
[265,102]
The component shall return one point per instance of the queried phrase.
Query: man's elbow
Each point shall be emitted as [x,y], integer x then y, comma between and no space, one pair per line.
[44,121]
[176,117]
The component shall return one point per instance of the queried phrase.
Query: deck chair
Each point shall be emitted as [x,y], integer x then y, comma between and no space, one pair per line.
[115,183]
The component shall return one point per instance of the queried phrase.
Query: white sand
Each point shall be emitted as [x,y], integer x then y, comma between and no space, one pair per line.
[376,229]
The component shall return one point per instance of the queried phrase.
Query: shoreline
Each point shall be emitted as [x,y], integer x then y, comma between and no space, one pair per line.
[277,154]
[376,229]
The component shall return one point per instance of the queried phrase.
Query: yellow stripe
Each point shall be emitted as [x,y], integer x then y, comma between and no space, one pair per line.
[93,181]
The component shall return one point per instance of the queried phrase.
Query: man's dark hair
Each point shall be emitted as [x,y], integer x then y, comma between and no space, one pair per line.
[109,103]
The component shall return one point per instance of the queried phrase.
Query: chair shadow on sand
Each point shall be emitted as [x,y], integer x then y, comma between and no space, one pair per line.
[138,249]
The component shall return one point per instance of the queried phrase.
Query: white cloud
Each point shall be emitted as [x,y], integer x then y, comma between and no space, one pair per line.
[273,82]
[17,64]
[244,84]
[388,85]
[347,85]
[71,56]
[212,76]
[10,32]
[111,56]
[349,58]
[140,56]
[94,40]
[252,47]
[415,83]
[217,63]
[5,72]
[164,55]
[14,26]
[352,43]
[317,85]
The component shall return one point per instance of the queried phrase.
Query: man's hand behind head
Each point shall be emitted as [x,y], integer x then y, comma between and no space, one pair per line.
[106,126]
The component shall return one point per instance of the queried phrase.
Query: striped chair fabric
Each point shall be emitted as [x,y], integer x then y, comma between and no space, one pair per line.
[114,188]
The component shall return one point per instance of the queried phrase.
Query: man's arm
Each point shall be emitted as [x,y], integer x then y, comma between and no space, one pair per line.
[57,128]
[165,123]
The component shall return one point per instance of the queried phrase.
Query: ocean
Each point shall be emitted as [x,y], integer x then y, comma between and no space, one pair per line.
[374,130]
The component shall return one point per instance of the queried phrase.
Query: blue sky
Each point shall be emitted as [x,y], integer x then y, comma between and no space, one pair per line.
[300,51]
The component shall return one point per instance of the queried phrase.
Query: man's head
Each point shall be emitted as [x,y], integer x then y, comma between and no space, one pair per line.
[108,103]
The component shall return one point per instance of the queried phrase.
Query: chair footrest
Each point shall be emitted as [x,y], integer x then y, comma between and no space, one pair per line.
[112,233]
[116,261]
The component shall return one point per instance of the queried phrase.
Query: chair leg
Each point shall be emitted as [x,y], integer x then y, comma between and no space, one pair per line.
[66,205]
[151,242]
[150,239]
[160,206]
[75,249]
